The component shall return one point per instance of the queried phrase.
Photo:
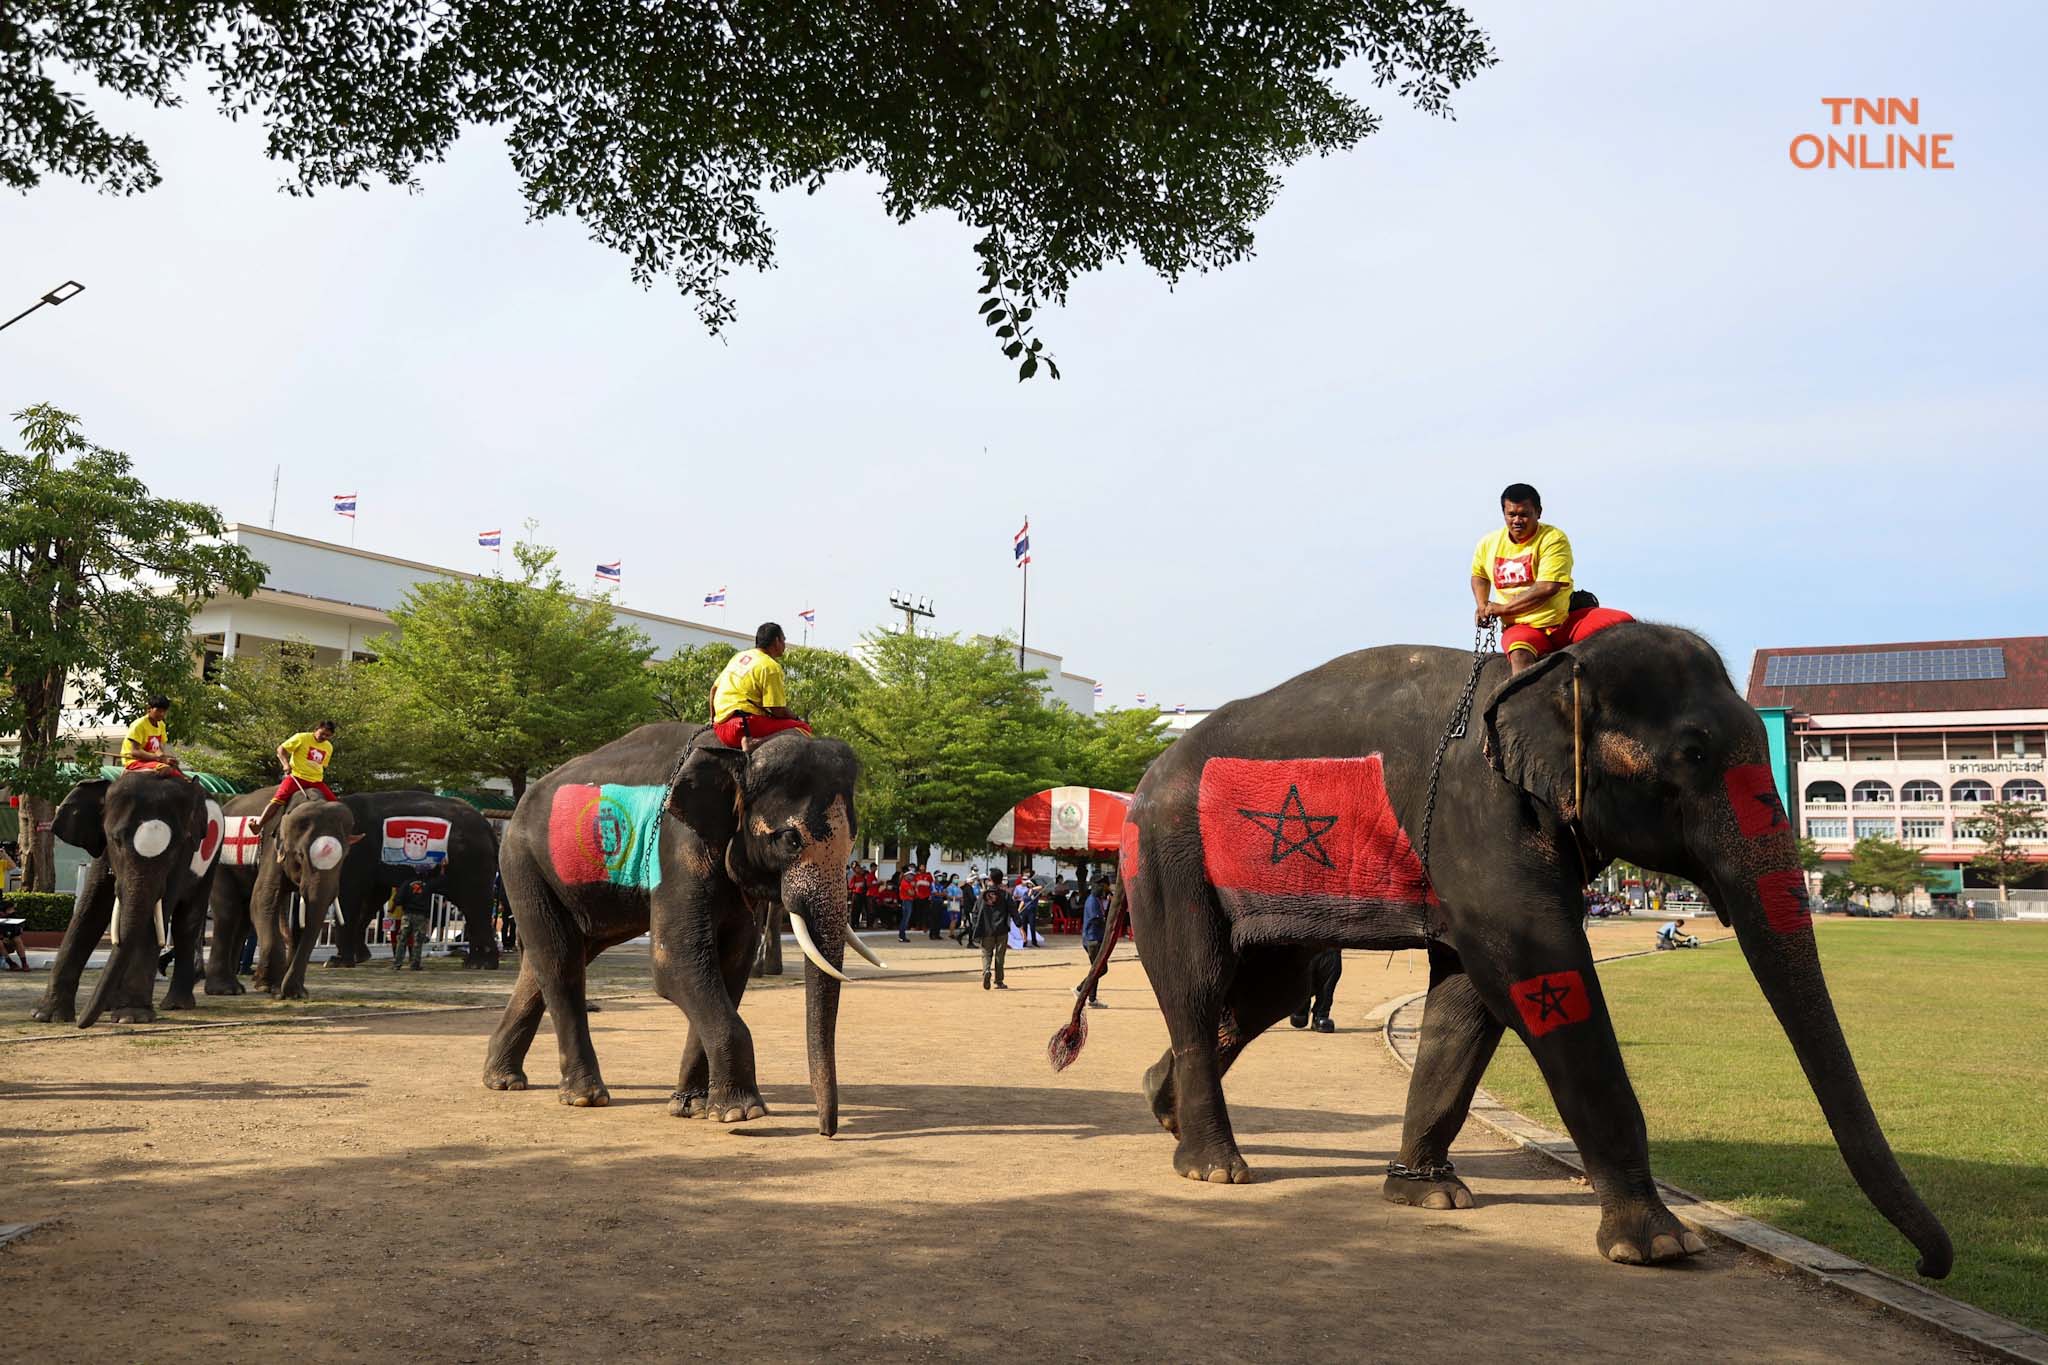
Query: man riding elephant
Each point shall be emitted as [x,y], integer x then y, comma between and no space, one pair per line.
[669,832]
[750,700]
[1341,810]
[1522,576]
[304,758]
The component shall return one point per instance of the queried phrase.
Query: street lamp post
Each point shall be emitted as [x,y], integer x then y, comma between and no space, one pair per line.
[912,608]
[70,289]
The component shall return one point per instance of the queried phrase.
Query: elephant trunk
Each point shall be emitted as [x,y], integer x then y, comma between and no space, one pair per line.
[138,931]
[820,924]
[1776,934]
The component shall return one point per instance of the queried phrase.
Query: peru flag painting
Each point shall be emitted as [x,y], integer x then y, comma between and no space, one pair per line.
[1319,827]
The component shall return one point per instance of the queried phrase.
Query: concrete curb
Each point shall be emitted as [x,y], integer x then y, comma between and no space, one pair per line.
[1400,1021]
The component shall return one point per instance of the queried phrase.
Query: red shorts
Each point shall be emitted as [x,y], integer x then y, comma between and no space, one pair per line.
[1587,621]
[757,728]
[300,784]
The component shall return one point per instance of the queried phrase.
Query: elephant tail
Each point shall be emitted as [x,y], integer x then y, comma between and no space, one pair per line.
[1066,1045]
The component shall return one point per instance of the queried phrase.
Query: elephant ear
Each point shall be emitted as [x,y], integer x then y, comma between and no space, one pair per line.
[81,817]
[1529,731]
[707,792]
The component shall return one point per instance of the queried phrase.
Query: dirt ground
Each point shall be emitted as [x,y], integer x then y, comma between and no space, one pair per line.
[349,1191]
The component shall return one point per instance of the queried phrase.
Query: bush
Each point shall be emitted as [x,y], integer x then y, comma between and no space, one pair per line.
[45,911]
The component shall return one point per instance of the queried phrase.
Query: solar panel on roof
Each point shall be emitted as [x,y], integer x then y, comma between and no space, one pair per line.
[1886,666]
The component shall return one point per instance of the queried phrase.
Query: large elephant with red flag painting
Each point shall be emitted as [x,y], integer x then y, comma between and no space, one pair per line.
[1301,819]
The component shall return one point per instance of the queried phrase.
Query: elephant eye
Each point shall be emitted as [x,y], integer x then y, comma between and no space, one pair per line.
[789,840]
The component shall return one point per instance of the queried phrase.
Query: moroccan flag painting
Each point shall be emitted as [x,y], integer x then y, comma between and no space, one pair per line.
[1783,894]
[608,833]
[1306,827]
[1551,1001]
[1754,794]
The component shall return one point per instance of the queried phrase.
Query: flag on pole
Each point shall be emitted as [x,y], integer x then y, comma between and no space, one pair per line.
[1098,691]
[609,573]
[809,616]
[715,598]
[345,505]
[489,539]
[1022,549]
[1180,708]
[1141,699]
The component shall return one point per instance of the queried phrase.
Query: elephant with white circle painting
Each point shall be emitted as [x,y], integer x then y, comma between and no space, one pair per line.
[281,882]
[152,834]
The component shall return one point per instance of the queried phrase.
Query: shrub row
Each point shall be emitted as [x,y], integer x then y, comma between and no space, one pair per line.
[45,911]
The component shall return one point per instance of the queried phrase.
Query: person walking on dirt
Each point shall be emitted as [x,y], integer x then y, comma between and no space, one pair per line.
[414,900]
[1323,970]
[970,892]
[304,758]
[992,926]
[1094,917]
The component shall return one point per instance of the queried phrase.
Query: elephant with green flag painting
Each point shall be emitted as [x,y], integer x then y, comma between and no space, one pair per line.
[668,832]
[1300,820]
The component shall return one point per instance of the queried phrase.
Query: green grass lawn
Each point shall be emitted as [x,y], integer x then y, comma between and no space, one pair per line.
[1949,1027]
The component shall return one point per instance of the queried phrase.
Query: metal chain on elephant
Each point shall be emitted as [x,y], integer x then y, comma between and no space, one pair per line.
[1484,645]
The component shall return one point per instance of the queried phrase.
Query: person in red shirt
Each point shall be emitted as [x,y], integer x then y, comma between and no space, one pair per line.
[882,891]
[924,902]
[856,895]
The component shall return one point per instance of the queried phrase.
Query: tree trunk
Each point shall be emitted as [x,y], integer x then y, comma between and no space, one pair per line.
[38,845]
[518,779]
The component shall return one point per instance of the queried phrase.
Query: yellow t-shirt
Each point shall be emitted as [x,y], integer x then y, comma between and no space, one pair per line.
[309,755]
[1545,557]
[145,742]
[752,682]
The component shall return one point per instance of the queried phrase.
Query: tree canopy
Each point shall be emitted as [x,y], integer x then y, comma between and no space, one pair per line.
[1998,827]
[99,578]
[509,677]
[261,697]
[1067,133]
[1883,865]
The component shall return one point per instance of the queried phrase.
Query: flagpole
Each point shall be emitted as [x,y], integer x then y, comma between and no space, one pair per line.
[1024,616]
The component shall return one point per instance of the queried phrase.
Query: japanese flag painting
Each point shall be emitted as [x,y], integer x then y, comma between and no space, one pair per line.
[415,840]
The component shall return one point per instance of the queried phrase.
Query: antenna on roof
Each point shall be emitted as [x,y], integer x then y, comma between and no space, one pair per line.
[275,472]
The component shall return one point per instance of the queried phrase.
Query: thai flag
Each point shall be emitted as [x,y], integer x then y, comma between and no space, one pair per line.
[1180,708]
[808,616]
[1098,691]
[609,573]
[715,598]
[1141,699]
[489,539]
[1023,545]
[345,505]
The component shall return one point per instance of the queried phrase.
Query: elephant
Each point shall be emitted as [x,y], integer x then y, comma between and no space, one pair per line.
[300,852]
[368,872]
[153,834]
[668,830]
[1301,819]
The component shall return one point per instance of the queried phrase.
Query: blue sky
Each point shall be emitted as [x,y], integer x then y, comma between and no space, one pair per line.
[1781,407]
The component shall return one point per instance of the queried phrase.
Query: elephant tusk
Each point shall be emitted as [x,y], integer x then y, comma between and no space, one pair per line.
[114,924]
[804,941]
[853,941]
[159,923]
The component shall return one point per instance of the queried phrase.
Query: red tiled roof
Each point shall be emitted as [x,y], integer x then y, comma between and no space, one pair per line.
[2024,686]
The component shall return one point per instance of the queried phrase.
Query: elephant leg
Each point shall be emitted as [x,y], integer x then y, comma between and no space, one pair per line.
[556,954]
[505,1061]
[230,925]
[479,937]
[1458,1039]
[1543,985]
[91,912]
[701,962]
[692,1097]
[301,937]
[768,923]
[1194,969]
[187,928]
[1270,984]
[271,952]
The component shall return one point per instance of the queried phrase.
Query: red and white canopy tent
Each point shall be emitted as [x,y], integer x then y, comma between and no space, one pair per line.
[1068,821]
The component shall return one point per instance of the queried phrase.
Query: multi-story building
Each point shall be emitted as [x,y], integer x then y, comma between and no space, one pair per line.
[1904,741]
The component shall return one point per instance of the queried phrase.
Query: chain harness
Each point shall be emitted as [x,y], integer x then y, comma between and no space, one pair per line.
[1484,646]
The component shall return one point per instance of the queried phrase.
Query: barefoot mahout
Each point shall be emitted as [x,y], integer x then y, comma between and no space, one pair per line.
[374,861]
[1279,826]
[670,832]
[152,834]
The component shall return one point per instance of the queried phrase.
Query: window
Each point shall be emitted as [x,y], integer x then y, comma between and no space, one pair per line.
[1876,829]
[1871,791]
[1827,793]
[1921,828]
[1970,790]
[1920,789]
[1827,829]
[2023,789]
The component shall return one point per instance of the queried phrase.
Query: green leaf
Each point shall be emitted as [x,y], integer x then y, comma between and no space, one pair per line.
[1012,349]
[991,303]
[1006,331]
[993,318]
[1027,369]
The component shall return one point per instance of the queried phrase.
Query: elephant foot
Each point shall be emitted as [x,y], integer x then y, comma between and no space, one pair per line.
[55,1012]
[227,987]
[686,1104]
[1428,1185]
[1159,1093]
[131,1014]
[584,1094]
[178,1000]
[504,1078]
[734,1106]
[337,962]
[1219,1163]
[292,991]
[1645,1234]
